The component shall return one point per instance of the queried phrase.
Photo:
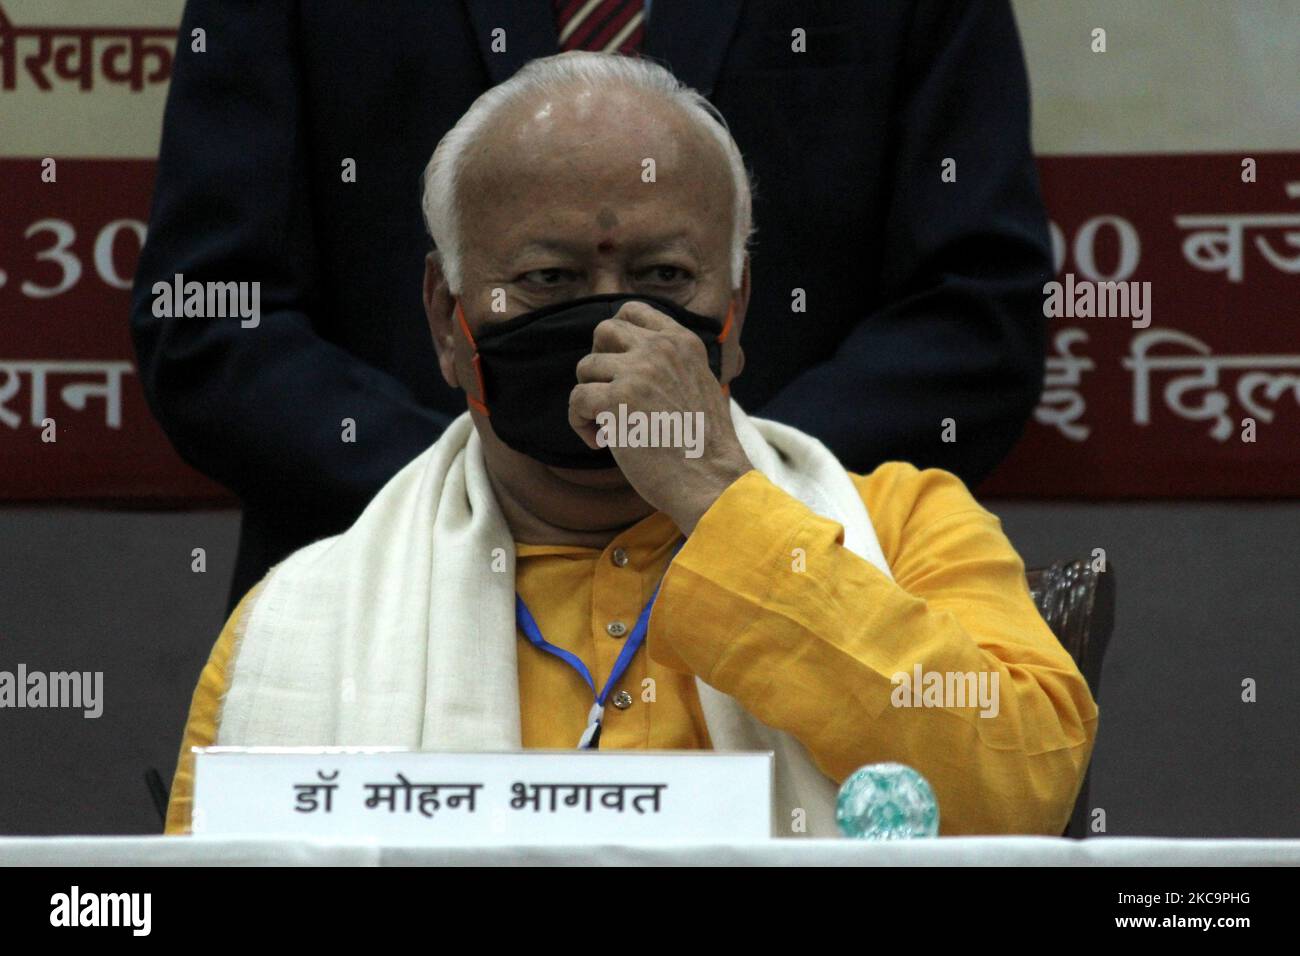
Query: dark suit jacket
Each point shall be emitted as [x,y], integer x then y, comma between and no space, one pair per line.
[923,297]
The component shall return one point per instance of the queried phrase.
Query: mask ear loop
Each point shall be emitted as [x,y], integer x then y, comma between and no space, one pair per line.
[477,362]
[723,336]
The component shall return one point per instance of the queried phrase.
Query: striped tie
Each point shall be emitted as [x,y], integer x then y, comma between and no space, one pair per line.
[609,26]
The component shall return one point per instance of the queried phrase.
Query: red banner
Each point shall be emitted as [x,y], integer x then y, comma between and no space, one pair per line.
[1193,389]
[73,418]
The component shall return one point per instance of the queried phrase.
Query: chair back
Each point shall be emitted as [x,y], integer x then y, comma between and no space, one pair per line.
[1078,604]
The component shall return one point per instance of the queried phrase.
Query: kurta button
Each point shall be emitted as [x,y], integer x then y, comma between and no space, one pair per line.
[622,700]
[616,628]
[619,557]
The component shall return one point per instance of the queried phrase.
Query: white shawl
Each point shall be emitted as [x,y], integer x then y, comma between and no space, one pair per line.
[399,632]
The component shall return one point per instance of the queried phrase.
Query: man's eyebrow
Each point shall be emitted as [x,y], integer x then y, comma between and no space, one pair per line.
[673,241]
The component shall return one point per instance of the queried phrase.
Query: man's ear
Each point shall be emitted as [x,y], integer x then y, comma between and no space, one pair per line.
[733,355]
[439,309]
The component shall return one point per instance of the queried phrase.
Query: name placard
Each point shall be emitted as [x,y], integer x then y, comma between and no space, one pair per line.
[527,797]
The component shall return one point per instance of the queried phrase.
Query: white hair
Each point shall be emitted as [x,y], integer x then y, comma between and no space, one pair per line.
[443,175]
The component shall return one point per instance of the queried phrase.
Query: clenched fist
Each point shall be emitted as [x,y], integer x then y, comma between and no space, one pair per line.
[645,362]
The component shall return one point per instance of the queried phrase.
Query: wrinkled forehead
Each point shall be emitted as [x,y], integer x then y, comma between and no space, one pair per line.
[575,146]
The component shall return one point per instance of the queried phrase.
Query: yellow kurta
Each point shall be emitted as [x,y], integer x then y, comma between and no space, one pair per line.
[765,604]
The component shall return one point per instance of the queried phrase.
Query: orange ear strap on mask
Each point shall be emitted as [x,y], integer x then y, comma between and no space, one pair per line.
[722,337]
[726,326]
[475,403]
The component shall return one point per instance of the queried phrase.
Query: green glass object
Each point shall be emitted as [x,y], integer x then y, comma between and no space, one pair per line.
[887,801]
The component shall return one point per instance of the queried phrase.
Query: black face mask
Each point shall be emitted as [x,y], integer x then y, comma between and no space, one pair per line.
[527,367]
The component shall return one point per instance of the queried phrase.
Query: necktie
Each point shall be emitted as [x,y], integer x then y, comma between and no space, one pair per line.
[610,26]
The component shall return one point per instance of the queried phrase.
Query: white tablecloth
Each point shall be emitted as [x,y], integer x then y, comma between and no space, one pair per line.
[946,851]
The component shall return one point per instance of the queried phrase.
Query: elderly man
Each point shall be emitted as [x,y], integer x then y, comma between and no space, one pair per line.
[605,551]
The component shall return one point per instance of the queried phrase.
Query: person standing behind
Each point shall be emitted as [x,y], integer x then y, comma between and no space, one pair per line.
[891,297]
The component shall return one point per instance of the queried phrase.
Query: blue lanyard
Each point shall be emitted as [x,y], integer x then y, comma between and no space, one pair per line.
[591,736]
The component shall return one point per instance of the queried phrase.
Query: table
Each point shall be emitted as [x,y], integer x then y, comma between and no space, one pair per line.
[945,851]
